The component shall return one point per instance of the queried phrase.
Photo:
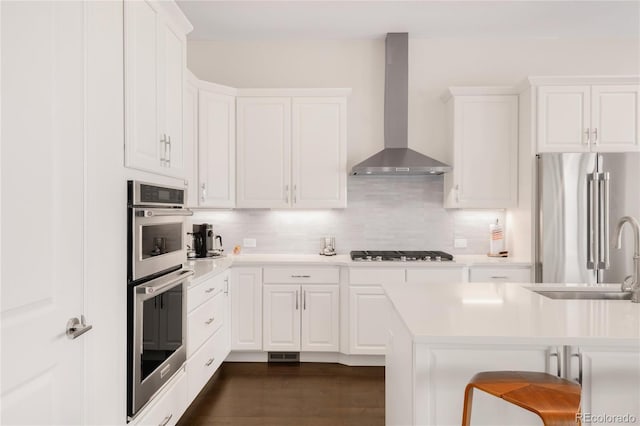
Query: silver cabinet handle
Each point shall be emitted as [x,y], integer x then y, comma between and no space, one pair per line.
[595,136]
[209,362]
[286,194]
[209,321]
[457,193]
[77,327]
[209,290]
[499,277]
[168,145]
[556,355]
[579,356]
[587,138]
[300,276]
[163,150]
[226,285]
[603,255]
[203,191]
[304,300]
[295,200]
[296,300]
[166,420]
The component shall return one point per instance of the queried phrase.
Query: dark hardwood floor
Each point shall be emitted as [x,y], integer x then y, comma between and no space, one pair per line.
[302,394]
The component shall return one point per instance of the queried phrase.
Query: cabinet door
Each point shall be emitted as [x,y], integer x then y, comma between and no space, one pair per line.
[320,318]
[486,151]
[142,140]
[564,118]
[367,320]
[246,309]
[190,141]
[281,313]
[217,150]
[615,117]
[604,370]
[264,152]
[171,66]
[319,152]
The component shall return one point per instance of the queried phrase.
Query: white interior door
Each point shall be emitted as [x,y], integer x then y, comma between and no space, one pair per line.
[42,222]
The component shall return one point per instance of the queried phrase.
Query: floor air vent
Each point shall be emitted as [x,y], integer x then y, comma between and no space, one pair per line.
[284,356]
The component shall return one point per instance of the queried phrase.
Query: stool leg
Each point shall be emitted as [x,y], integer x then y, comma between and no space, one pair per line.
[468,402]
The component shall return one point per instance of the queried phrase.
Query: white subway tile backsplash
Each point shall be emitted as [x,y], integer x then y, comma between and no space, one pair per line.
[383,213]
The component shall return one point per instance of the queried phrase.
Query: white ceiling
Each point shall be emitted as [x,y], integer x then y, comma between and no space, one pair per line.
[254,20]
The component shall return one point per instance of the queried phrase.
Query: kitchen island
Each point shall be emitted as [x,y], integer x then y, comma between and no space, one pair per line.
[441,335]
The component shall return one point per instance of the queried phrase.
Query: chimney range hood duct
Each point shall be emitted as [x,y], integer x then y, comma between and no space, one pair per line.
[396,158]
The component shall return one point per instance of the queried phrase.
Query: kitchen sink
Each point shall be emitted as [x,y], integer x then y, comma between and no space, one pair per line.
[586,295]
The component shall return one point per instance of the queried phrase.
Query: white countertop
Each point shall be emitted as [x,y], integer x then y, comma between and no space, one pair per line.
[206,268]
[509,313]
[345,260]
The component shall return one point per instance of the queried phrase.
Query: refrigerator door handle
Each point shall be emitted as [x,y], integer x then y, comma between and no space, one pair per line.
[590,223]
[603,222]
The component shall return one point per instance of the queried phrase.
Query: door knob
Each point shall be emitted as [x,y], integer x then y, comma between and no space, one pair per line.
[77,327]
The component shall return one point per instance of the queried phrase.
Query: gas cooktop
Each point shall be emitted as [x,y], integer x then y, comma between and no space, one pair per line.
[401,256]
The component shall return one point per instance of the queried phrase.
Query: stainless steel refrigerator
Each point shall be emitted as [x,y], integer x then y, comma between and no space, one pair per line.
[580,199]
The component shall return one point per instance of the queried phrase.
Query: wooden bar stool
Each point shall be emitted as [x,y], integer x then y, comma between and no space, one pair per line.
[555,400]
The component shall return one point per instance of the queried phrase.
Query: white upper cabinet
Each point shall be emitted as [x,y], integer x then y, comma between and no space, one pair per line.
[319,152]
[484,136]
[216,147]
[155,63]
[264,152]
[190,138]
[588,118]
[291,150]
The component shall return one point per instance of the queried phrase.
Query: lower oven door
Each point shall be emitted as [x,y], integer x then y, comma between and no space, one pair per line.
[159,334]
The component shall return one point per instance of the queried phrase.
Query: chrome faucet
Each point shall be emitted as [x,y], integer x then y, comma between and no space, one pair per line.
[632,282]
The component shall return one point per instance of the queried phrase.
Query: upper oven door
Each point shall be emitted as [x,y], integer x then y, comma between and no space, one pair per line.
[158,240]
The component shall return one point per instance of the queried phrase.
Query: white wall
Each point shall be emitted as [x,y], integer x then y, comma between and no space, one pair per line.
[434,65]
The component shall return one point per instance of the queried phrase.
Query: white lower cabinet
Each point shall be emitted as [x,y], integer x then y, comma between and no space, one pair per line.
[301,317]
[604,369]
[208,330]
[169,405]
[500,274]
[437,275]
[367,320]
[246,309]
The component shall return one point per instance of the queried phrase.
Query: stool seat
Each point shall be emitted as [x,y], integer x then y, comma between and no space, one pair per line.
[555,400]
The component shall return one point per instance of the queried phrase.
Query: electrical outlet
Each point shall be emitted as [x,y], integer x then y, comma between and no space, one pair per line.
[460,243]
[249,242]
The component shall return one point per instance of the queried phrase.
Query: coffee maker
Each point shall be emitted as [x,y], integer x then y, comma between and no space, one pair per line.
[205,243]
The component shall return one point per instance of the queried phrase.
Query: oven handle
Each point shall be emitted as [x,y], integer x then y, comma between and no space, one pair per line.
[163,284]
[163,212]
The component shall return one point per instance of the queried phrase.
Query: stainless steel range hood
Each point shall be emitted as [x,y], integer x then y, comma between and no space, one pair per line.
[396,158]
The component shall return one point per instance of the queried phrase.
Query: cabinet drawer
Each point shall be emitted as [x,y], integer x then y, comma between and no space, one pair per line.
[436,275]
[170,404]
[204,321]
[205,290]
[301,275]
[515,275]
[205,362]
[368,276]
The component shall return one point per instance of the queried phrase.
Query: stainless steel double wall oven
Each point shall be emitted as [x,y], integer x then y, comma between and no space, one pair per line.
[156,289]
